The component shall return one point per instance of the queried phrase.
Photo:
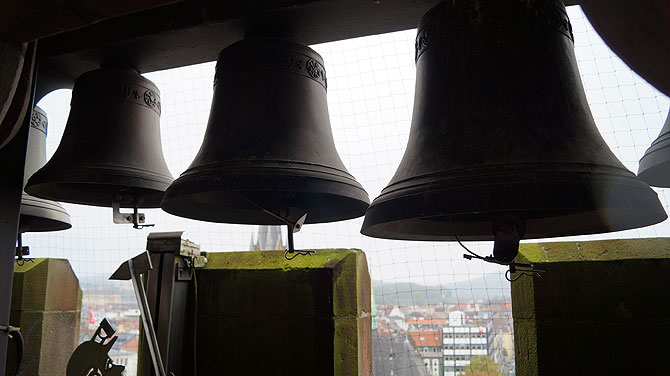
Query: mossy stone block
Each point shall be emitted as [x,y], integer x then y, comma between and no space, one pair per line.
[258,312]
[46,285]
[525,346]
[46,306]
[598,250]
[597,304]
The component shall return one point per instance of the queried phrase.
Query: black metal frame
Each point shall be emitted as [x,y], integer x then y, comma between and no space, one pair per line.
[13,159]
[167,286]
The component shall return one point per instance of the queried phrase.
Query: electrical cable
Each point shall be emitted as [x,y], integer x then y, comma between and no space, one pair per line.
[512,265]
[15,334]
[453,231]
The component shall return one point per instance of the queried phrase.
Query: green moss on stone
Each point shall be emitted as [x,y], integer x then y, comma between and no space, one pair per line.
[597,250]
[46,304]
[525,347]
[28,265]
[345,346]
[275,259]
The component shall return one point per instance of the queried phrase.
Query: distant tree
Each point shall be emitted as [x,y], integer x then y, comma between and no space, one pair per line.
[481,365]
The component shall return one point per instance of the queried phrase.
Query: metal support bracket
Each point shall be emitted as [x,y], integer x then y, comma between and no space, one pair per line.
[184,273]
[293,228]
[134,218]
[21,251]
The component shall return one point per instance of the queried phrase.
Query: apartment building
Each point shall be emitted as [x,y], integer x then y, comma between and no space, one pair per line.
[461,341]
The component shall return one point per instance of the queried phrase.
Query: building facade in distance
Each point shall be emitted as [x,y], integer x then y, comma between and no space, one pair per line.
[428,343]
[461,341]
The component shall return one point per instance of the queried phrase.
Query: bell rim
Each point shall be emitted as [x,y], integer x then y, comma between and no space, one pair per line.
[28,200]
[42,224]
[181,194]
[634,199]
[97,180]
[169,207]
[655,171]
[202,177]
[654,167]
[39,215]
[513,172]
[279,167]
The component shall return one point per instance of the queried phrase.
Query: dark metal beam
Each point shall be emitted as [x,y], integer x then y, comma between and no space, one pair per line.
[28,20]
[188,33]
[12,158]
[191,32]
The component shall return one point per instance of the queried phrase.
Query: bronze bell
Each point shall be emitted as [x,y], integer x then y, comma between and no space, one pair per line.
[502,136]
[268,155]
[655,163]
[38,214]
[637,32]
[111,148]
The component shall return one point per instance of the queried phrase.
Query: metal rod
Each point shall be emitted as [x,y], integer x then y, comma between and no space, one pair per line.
[147,322]
[291,246]
[19,246]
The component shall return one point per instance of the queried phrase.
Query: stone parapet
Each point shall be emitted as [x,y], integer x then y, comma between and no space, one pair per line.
[258,313]
[601,308]
[46,305]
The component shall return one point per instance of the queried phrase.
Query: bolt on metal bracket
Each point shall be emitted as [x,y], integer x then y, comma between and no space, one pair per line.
[134,218]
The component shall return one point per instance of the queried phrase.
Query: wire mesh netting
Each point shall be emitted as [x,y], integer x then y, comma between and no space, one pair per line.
[434,312]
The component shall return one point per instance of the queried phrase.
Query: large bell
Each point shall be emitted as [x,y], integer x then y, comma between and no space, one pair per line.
[111,147]
[502,131]
[655,163]
[268,153]
[38,214]
[637,32]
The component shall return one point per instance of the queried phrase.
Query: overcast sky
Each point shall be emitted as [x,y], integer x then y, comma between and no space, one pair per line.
[370,97]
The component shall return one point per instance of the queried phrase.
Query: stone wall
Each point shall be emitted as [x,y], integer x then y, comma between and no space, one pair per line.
[260,314]
[46,305]
[601,308]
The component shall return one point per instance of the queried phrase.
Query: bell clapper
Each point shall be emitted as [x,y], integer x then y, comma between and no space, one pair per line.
[507,231]
[136,218]
[21,251]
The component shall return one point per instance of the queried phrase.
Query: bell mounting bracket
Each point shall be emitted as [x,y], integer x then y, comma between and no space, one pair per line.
[134,218]
[21,251]
[293,226]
